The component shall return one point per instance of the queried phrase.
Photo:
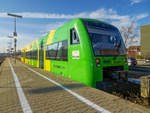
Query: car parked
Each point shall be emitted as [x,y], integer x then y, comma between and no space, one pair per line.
[132,61]
[147,60]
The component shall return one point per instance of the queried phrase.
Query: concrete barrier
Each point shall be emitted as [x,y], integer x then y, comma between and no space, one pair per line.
[140,61]
[145,89]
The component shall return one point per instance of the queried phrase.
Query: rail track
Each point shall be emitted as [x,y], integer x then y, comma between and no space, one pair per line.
[139,68]
[130,89]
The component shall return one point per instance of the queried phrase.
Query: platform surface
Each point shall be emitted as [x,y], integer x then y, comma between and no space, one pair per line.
[44,96]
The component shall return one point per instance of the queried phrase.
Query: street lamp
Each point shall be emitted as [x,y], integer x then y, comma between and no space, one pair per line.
[15,33]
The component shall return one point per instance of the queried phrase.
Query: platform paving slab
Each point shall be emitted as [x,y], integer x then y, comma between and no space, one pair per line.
[45,97]
[9,102]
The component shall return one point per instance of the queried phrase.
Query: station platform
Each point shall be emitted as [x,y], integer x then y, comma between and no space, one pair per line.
[26,89]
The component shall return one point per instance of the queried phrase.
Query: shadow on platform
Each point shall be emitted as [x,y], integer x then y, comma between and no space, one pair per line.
[54,88]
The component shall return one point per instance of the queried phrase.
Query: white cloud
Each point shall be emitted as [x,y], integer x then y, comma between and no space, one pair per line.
[127,20]
[4,43]
[22,40]
[135,1]
[30,25]
[102,14]
[53,26]
[141,16]
[25,38]
[4,38]
[3,15]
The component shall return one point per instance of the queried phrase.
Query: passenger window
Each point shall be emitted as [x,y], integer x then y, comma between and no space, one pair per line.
[51,51]
[62,53]
[65,50]
[34,54]
[74,37]
[59,52]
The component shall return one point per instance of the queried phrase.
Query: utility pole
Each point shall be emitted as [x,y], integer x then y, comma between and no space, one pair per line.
[15,33]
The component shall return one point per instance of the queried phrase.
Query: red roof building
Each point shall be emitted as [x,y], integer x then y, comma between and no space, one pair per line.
[134,51]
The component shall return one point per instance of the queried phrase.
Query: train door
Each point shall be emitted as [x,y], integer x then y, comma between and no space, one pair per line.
[74,55]
[41,55]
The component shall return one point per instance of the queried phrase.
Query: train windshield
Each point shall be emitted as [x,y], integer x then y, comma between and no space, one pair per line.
[106,39]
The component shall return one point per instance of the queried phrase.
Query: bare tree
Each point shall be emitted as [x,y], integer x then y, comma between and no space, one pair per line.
[129,33]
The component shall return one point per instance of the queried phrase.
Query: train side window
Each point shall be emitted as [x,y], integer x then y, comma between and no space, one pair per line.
[22,54]
[65,50]
[27,54]
[59,51]
[51,51]
[74,37]
[62,53]
[30,54]
[34,54]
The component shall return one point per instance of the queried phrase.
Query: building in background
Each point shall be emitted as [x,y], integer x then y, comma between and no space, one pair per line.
[134,51]
[145,41]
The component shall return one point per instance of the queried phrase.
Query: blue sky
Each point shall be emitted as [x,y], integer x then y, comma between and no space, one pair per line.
[42,16]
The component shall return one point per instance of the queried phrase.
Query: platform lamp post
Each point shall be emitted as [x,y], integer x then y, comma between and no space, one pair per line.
[15,33]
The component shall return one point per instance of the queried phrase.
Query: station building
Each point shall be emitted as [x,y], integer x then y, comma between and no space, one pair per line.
[145,41]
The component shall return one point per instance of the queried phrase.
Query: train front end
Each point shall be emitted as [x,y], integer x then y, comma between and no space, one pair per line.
[109,52]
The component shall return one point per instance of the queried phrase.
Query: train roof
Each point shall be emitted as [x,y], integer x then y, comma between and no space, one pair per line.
[92,20]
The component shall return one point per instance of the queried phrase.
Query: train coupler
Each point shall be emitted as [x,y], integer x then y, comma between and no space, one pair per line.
[120,75]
